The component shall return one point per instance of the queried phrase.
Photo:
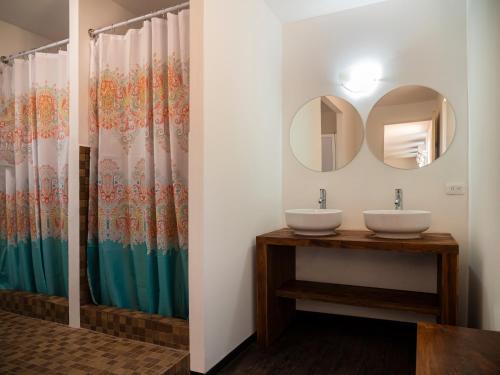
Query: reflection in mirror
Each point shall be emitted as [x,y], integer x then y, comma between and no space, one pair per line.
[326,134]
[410,127]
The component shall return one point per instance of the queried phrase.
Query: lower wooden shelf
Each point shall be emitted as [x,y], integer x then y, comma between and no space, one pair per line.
[419,302]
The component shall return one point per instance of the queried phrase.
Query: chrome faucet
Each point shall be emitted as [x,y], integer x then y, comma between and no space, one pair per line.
[398,200]
[322,199]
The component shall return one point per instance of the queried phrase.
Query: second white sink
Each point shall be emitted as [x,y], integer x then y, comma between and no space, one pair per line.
[313,222]
[401,224]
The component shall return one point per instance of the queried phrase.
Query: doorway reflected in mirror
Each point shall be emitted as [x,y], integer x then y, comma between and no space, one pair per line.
[410,127]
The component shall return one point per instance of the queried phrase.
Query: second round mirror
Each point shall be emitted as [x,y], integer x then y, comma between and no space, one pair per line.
[410,127]
[326,133]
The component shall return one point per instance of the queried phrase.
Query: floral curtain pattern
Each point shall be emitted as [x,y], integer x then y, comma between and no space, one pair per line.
[34,132]
[138,209]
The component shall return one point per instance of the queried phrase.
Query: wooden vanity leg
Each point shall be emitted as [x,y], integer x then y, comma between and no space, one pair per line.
[447,287]
[275,265]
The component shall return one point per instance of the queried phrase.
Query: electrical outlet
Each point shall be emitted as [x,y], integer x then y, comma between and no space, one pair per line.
[455,189]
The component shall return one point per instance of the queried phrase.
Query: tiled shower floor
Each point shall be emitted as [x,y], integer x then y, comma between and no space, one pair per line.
[33,346]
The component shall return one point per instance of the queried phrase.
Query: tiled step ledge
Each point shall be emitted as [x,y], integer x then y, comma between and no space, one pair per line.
[40,306]
[136,325]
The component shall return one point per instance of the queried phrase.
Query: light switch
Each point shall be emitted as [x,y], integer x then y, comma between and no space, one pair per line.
[455,189]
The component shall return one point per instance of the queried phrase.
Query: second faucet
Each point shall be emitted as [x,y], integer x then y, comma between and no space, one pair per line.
[398,199]
[322,199]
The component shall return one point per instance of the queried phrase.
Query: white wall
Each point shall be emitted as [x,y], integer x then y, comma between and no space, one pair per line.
[13,39]
[197,217]
[484,158]
[416,42]
[402,163]
[235,169]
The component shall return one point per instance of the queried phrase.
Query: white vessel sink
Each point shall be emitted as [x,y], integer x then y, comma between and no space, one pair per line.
[313,222]
[401,224]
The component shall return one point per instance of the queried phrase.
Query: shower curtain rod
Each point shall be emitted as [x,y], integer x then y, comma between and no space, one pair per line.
[7,59]
[93,33]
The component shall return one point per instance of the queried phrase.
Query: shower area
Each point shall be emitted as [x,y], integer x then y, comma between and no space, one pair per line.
[34,135]
[133,179]
[139,123]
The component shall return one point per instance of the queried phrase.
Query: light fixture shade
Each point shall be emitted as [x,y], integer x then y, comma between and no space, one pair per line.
[362,78]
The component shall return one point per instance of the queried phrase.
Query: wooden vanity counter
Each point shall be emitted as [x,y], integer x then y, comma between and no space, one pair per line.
[278,290]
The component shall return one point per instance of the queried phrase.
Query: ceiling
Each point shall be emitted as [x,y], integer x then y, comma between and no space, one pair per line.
[47,18]
[286,10]
[407,95]
[50,18]
[295,10]
[146,6]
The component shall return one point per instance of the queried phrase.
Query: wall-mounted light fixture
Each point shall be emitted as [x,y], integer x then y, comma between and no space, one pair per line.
[362,78]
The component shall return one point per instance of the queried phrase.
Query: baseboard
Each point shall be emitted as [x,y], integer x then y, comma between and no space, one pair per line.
[228,358]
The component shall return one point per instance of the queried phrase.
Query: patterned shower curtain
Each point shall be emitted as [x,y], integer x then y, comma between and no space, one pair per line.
[138,209]
[34,174]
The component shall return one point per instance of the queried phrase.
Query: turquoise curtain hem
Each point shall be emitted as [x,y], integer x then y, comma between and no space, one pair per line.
[37,266]
[130,277]
[4,275]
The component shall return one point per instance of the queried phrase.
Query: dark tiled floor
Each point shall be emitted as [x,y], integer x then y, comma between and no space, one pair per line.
[328,344]
[31,346]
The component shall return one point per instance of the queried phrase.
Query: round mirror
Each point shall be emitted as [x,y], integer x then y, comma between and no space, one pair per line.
[326,134]
[410,127]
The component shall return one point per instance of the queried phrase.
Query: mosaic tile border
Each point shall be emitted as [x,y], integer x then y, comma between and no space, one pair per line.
[40,306]
[136,325]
